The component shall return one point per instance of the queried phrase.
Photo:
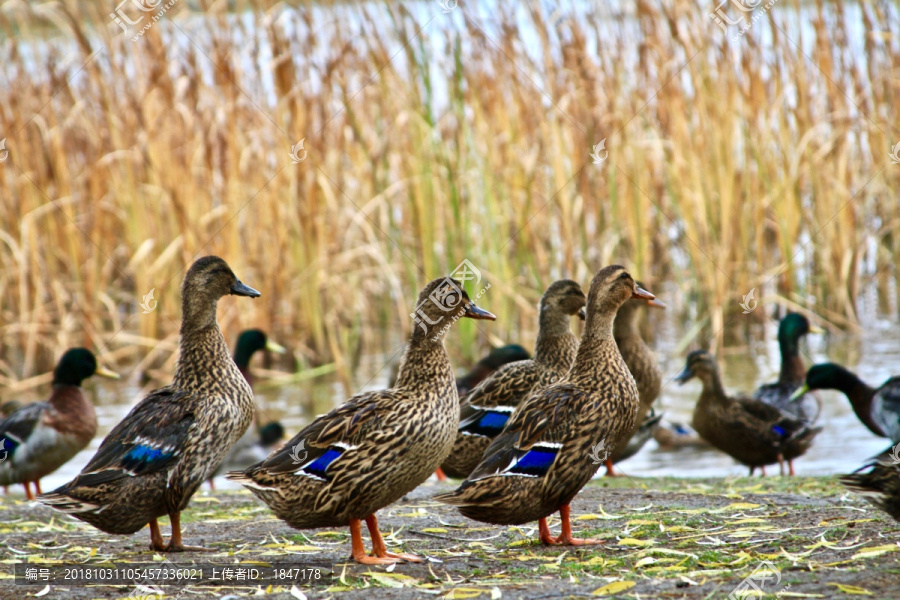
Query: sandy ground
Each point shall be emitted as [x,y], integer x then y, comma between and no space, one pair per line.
[664,538]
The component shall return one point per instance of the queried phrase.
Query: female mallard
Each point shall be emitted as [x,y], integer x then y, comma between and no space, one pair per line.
[807,407]
[486,408]
[642,364]
[378,446]
[880,485]
[40,437]
[153,461]
[878,409]
[750,431]
[548,450]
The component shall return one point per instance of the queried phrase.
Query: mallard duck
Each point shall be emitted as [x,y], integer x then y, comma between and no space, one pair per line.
[378,446]
[548,450]
[677,435]
[486,408]
[643,366]
[807,407]
[877,408]
[495,359]
[153,461]
[880,485]
[249,342]
[38,438]
[750,431]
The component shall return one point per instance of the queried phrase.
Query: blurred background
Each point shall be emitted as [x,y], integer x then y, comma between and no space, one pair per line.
[713,149]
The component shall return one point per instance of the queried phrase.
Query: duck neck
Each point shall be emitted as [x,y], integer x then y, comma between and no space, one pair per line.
[202,348]
[425,364]
[713,390]
[555,342]
[596,343]
[860,396]
[792,369]
[74,410]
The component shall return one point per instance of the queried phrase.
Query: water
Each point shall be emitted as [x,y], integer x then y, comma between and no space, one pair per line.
[840,448]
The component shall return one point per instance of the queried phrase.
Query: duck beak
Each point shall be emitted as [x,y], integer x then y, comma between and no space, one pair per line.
[104,372]
[239,289]
[275,347]
[640,292]
[656,304]
[800,391]
[473,312]
[684,376]
[582,314]
[816,329]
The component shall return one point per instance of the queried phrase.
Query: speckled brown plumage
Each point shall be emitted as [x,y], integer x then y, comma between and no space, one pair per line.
[378,446]
[543,457]
[641,362]
[750,431]
[153,461]
[554,352]
[880,483]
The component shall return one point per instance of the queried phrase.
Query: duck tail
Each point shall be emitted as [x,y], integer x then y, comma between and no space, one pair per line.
[246,479]
[67,504]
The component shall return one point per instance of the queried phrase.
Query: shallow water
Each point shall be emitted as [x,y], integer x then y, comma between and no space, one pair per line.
[840,448]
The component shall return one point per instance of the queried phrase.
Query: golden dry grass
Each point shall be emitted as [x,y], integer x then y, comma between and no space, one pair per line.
[431,139]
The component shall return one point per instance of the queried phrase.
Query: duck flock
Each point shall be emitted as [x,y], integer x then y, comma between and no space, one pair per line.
[524,434]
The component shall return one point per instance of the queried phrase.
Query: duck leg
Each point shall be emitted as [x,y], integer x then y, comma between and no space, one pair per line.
[544,533]
[175,542]
[565,538]
[791,468]
[763,469]
[28,493]
[379,548]
[37,486]
[156,539]
[610,472]
[439,473]
[359,549]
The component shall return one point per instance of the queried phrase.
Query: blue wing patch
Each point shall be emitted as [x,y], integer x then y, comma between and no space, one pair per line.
[8,445]
[488,422]
[318,467]
[144,455]
[779,430]
[536,462]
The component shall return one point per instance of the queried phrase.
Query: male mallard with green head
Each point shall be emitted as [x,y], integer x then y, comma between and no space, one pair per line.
[750,431]
[38,438]
[877,408]
[486,408]
[378,446]
[153,461]
[779,394]
[547,451]
[642,364]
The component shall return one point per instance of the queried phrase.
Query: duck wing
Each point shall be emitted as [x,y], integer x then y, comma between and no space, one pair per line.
[17,427]
[886,408]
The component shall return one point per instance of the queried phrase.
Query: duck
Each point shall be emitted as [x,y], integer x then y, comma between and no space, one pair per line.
[486,408]
[750,431]
[38,438]
[645,370]
[877,408]
[671,434]
[779,394]
[496,358]
[547,451]
[156,458]
[259,440]
[878,481]
[379,445]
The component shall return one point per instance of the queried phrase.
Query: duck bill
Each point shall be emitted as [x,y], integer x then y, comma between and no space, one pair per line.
[684,376]
[275,347]
[474,312]
[800,391]
[816,329]
[239,289]
[104,372]
[641,293]
[657,304]
[582,314]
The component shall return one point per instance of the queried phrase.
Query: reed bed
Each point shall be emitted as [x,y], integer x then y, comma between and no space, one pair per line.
[433,137]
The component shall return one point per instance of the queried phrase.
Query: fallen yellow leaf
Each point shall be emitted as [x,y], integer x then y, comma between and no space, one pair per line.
[851,589]
[614,588]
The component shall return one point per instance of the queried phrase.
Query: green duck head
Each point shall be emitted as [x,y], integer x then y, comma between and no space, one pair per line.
[76,365]
[441,303]
[793,327]
[251,341]
[699,364]
[828,376]
[271,433]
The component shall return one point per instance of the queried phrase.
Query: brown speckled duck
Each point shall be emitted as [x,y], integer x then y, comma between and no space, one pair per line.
[643,366]
[378,446]
[749,430]
[38,438]
[486,408]
[549,448]
[153,461]
[878,481]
